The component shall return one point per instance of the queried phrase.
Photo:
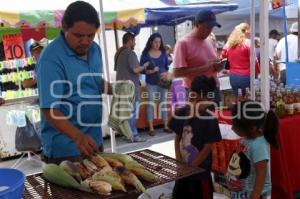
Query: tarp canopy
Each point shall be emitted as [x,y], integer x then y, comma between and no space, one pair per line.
[123,13]
[15,13]
[174,15]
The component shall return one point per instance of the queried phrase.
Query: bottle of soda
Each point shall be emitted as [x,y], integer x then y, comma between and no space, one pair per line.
[240,95]
[280,109]
[296,94]
[248,94]
[273,98]
[289,102]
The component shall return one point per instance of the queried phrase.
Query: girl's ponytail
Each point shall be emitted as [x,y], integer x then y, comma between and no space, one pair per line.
[271,128]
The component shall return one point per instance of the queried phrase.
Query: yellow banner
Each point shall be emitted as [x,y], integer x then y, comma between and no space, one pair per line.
[136,14]
[11,17]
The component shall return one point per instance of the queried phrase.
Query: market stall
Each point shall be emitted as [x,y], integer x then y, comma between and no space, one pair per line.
[22,22]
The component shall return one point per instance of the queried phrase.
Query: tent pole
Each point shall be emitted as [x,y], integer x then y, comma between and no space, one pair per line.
[252,51]
[116,36]
[298,29]
[102,38]
[264,50]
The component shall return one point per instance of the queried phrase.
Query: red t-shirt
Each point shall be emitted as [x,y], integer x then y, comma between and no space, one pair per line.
[239,59]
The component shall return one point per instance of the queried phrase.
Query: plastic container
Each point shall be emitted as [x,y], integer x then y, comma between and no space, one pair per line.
[13,180]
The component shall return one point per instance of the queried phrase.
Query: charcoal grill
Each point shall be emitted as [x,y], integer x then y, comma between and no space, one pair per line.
[167,168]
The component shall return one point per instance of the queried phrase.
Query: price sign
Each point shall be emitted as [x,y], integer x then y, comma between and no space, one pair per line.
[13,46]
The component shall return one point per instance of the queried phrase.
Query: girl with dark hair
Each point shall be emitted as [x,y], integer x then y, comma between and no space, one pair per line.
[248,173]
[196,130]
[156,55]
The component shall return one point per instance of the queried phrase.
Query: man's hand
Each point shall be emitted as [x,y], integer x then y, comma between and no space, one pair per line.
[217,65]
[86,145]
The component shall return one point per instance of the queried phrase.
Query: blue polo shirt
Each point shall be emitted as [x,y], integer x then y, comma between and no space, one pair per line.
[73,86]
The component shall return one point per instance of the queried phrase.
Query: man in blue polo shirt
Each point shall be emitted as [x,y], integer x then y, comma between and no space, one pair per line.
[69,76]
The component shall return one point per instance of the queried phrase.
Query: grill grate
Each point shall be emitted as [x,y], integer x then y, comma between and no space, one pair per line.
[165,167]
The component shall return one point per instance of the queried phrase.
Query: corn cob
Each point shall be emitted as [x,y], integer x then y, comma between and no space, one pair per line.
[112,178]
[121,157]
[91,166]
[84,173]
[59,176]
[71,169]
[99,161]
[131,179]
[113,162]
[142,172]
[100,187]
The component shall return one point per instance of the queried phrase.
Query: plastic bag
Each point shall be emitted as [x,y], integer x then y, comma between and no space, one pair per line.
[27,138]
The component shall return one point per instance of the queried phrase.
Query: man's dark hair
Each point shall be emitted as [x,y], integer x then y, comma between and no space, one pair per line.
[80,11]
[127,36]
[273,32]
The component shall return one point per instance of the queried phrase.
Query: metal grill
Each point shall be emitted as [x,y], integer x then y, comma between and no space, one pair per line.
[165,167]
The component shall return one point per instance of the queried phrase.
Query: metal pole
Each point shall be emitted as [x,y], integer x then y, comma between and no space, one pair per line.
[252,52]
[298,29]
[264,50]
[102,38]
[116,36]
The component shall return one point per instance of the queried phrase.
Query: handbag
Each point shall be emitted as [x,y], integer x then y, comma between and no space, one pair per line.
[164,83]
[26,138]
[226,64]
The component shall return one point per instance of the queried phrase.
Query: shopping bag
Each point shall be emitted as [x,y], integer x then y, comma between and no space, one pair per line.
[26,138]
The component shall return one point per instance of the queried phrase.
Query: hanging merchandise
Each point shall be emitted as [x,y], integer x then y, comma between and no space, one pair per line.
[27,138]
[12,74]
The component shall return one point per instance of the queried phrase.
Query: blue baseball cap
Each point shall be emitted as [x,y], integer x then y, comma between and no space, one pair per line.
[207,16]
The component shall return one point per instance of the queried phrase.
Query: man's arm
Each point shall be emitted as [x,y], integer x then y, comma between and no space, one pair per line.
[85,143]
[139,69]
[202,155]
[187,71]
[276,65]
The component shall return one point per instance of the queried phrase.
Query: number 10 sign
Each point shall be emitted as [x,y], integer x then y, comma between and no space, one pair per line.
[13,46]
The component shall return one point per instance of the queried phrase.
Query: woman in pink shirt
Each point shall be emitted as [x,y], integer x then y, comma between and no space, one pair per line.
[237,52]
